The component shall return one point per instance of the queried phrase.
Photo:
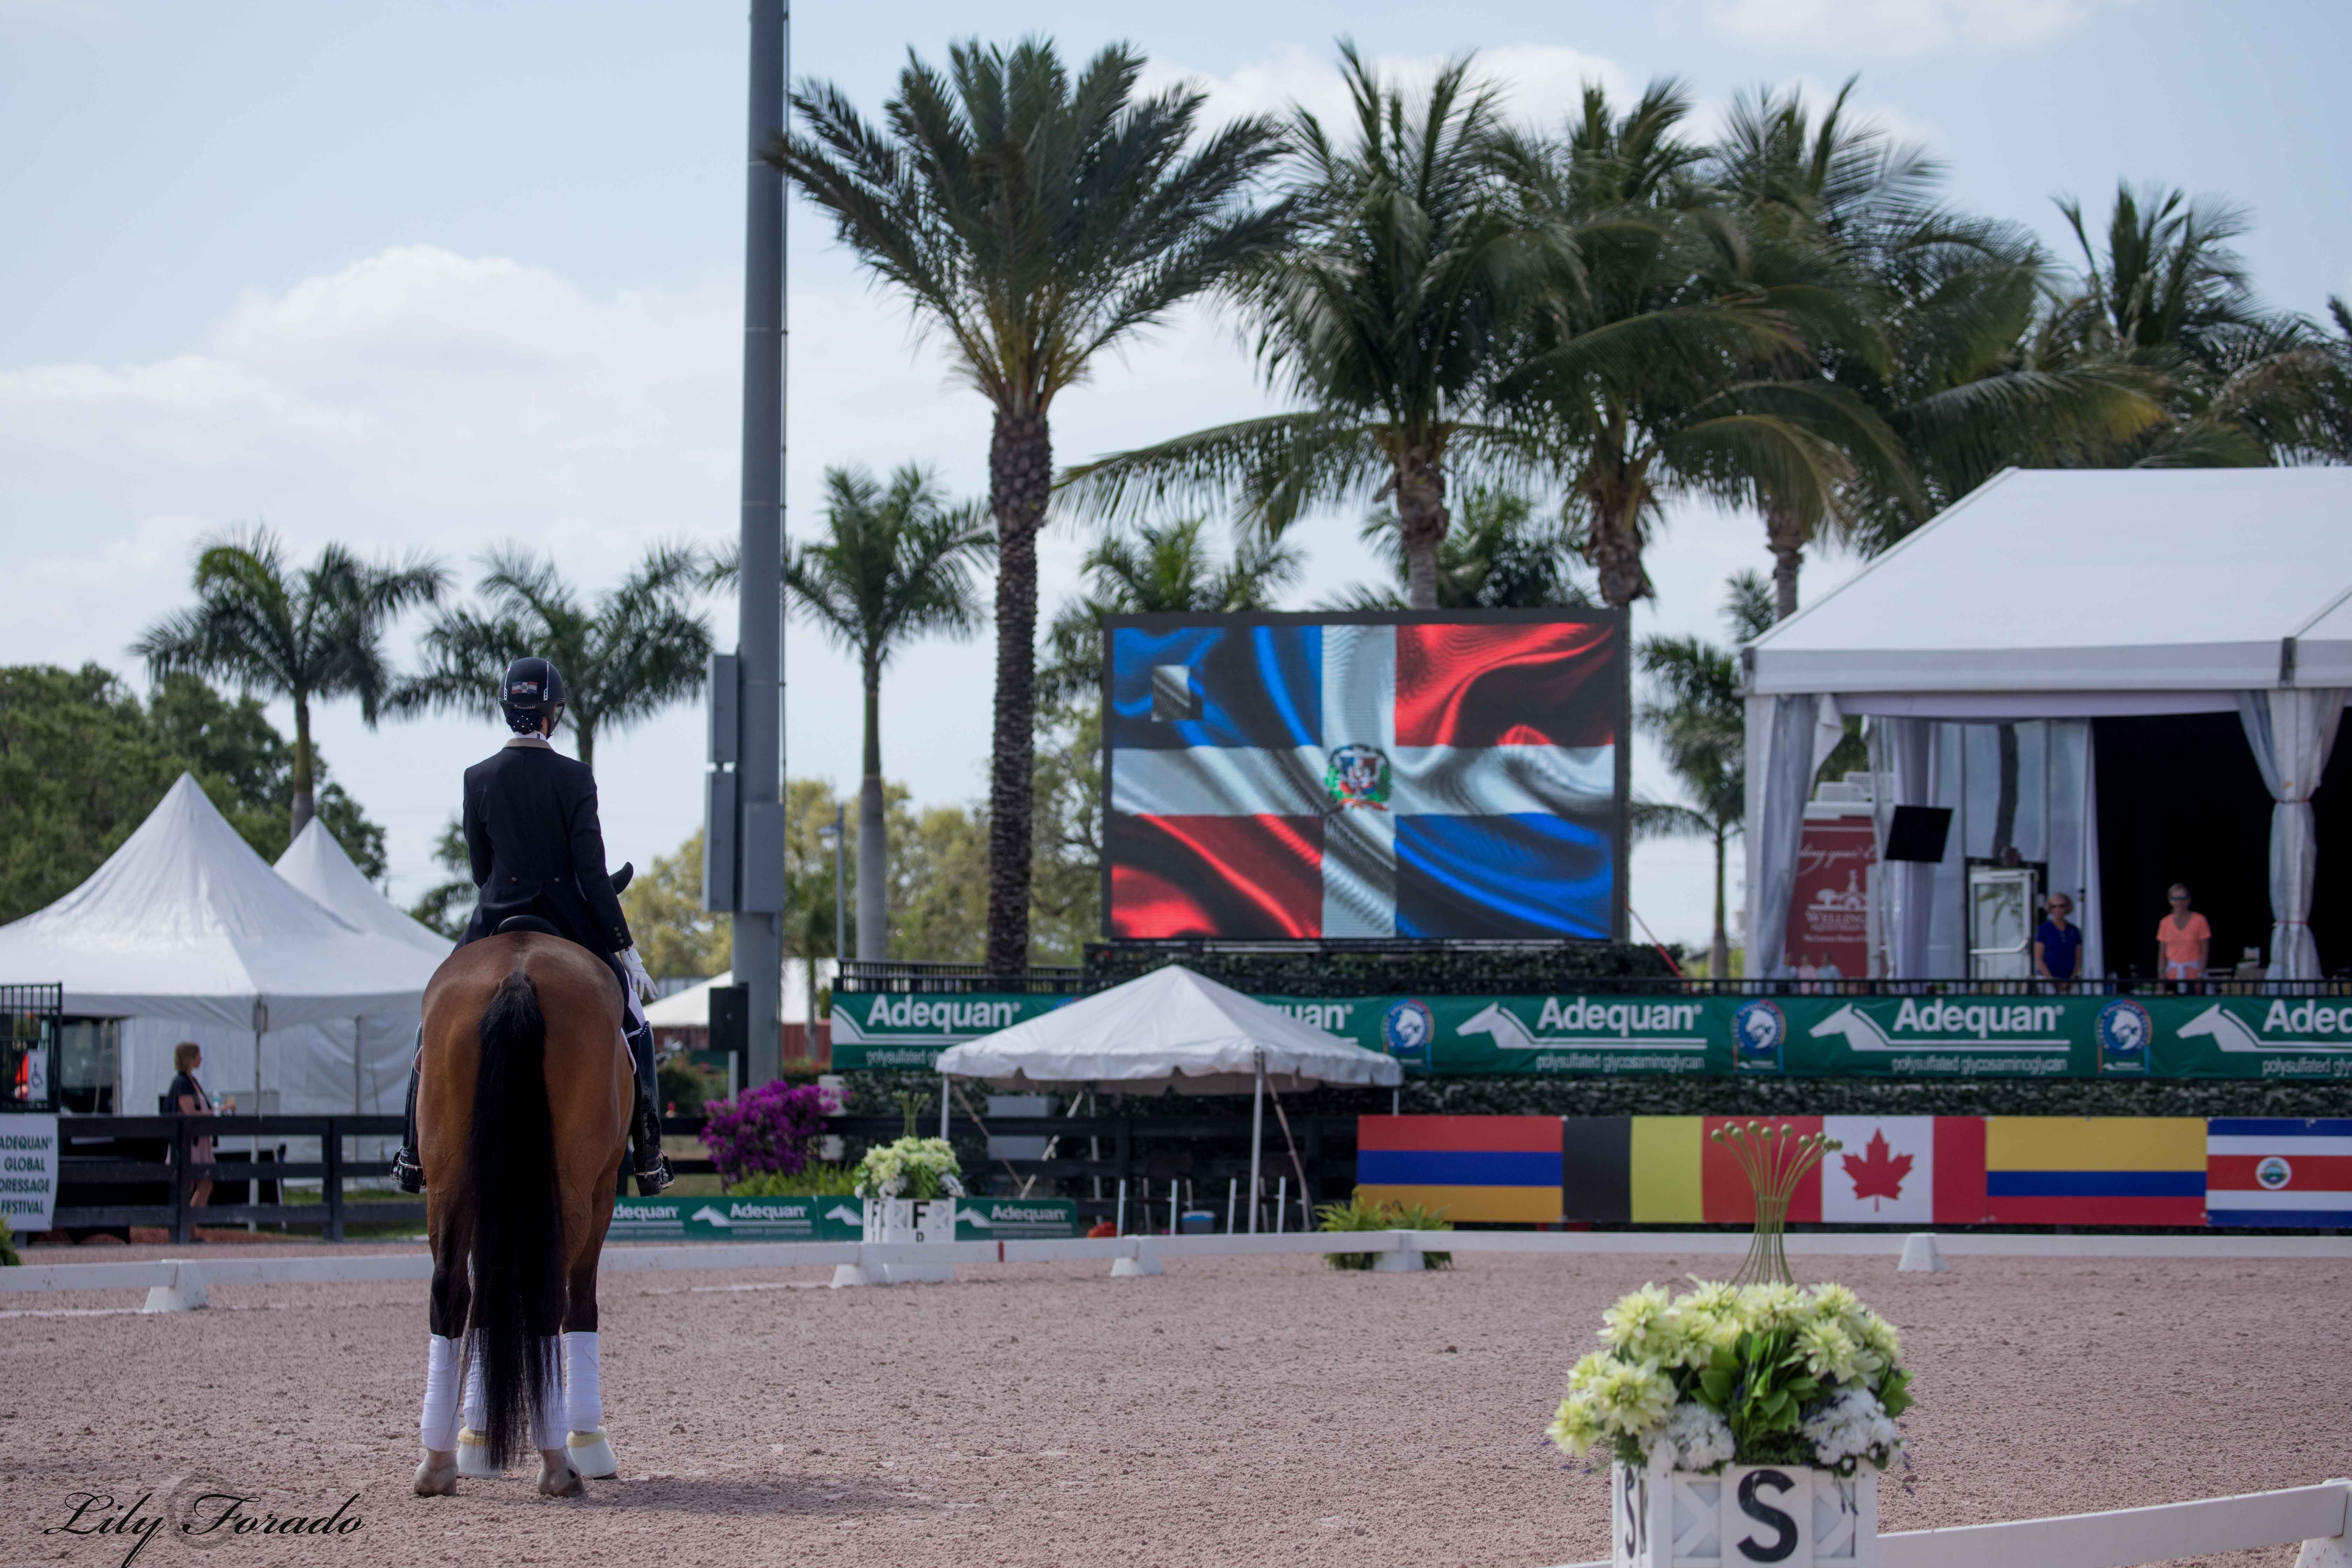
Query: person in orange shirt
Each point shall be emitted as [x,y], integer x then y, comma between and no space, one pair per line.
[2183,939]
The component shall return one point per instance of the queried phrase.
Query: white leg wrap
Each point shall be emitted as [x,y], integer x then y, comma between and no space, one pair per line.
[583,1394]
[547,1421]
[436,1426]
[477,1407]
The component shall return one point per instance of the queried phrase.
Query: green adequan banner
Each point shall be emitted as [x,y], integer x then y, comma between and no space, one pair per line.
[836,1218]
[1956,1035]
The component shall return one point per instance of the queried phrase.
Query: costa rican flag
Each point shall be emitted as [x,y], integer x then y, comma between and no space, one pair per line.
[2275,1171]
[1272,778]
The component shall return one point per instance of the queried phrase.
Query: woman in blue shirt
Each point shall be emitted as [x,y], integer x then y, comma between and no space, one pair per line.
[2058,946]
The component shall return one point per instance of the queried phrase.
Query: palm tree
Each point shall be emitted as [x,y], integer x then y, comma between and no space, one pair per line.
[1681,363]
[894,565]
[1033,222]
[1694,710]
[302,634]
[1388,322]
[625,655]
[2162,292]
[1495,557]
[1944,314]
[1153,569]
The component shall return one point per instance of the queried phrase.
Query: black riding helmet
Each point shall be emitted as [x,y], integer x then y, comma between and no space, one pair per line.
[531,688]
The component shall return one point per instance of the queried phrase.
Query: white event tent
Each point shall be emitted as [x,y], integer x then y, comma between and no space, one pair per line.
[1170,1029]
[184,934]
[2055,598]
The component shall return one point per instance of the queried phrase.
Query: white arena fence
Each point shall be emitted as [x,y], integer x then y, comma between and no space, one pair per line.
[176,1283]
[2127,1537]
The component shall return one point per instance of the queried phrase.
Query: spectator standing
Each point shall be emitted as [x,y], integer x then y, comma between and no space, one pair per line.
[187,1096]
[2183,940]
[2058,945]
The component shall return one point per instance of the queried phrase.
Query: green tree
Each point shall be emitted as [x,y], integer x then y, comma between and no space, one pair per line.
[675,933]
[1942,327]
[1033,221]
[636,649]
[2163,291]
[893,565]
[1679,365]
[82,764]
[1496,557]
[303,633]
[938,883]
[1694,709]
[1148,569]
[1388,322]
[448,904]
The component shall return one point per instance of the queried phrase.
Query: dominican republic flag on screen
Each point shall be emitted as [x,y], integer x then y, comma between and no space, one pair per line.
[1440,777]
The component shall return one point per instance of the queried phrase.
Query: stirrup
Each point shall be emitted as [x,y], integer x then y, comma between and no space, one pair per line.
[652,1181]
[406,1174]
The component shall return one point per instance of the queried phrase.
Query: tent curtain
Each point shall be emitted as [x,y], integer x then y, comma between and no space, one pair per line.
[1789,738]
[2291,733]
[1904,764]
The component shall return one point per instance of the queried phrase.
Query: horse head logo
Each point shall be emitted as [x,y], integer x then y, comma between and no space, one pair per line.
[1859,1033]
[1501,1025]
[2225,1028]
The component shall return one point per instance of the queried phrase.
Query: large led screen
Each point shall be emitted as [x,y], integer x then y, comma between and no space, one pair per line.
[1443,775]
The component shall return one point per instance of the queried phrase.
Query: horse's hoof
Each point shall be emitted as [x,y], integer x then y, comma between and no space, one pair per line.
[438,1475]
[556,1476]
[592,1455]
[474,1455]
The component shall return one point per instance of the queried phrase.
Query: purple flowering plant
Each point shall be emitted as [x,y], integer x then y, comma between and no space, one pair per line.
[768,1129]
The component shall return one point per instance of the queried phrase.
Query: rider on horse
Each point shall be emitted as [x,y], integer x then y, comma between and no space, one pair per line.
[538,850]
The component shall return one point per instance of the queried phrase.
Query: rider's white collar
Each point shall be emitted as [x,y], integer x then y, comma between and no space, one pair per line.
[541,741]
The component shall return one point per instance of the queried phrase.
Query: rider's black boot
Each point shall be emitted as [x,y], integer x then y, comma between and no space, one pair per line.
[645,1125]
[407,1170]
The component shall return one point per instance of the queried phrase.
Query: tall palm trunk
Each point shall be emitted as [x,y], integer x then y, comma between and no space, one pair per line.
[1786,536]
[1020,480]
[1614,496]
[1421,517]
[305,803]
[873,846]
[583,736]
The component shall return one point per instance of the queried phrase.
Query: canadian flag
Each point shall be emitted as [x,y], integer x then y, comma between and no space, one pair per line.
[1886,1174]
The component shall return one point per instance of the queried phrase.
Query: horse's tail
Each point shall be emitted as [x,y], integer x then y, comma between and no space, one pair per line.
[513,1215]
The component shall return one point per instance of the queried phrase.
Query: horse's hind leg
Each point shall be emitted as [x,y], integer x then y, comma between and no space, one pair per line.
[583,1395]
[436,1426]
[557,1475]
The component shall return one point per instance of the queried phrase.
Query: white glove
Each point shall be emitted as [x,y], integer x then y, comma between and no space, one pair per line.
[634,967]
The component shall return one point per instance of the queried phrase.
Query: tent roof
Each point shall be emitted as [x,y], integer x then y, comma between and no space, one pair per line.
[2088,581]
[690,1008]
[1172,1028]
[185,921]
[315,863]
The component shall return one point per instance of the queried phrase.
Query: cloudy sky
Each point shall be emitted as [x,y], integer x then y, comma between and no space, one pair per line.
[437,276]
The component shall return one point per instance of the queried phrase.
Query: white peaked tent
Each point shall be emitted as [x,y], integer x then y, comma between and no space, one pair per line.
[1171,1029]
[2060,598]
[185,933]
[317,865]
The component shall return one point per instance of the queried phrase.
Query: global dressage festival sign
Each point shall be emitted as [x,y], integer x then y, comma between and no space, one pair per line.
[1955,1036]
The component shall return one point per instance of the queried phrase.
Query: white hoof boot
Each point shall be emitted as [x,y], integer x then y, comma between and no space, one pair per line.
[556,1476]
[592,1455]
[474,1455]
[438,1475]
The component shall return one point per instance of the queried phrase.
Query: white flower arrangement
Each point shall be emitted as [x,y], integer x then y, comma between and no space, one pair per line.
[916,1168]
[1758,1373]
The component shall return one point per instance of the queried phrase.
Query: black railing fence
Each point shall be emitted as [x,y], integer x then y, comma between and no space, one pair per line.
[116,1172]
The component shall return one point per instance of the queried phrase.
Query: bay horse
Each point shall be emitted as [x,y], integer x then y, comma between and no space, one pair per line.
[522,1122]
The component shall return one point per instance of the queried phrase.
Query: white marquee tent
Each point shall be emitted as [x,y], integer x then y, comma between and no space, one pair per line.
[1170,1029]
[2058,597]
[185,933]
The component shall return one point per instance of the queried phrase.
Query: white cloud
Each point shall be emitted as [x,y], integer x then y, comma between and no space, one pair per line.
[1900,26]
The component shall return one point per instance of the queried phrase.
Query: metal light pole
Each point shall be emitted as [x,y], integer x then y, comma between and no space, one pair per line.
[743,860]
[836,835]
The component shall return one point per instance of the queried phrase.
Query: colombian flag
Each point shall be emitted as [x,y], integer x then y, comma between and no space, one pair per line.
[1493,1169]
[2094,1169]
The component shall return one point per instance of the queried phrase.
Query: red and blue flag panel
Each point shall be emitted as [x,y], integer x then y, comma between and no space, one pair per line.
[2278,1171]
[1453,777]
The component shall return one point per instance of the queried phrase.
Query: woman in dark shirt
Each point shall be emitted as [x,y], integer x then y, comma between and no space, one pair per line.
[187,1096]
